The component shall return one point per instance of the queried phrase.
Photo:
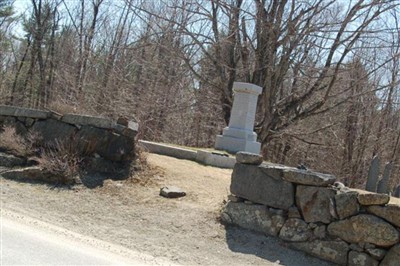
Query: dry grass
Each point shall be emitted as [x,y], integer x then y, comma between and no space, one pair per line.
[140,161]
[141,172]
[62,160]
[17,145]
[149,176]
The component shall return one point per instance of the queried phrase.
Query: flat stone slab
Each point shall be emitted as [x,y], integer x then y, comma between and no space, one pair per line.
[27,173]
[172,192]
[248,158]
[306,177]
[367,198]
[262,184]
[365,228]
[23,112]
[164,149]
[35,173]
[8,160]
[389,212]
[394,201]
[200,156]
[85,120]
[215,159]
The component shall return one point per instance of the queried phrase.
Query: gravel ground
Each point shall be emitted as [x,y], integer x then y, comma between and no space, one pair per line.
[131,215]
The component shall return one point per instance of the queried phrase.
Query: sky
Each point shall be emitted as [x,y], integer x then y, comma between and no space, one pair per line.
[20,6]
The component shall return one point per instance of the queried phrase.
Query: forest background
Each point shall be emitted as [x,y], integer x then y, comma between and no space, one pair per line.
[329,71]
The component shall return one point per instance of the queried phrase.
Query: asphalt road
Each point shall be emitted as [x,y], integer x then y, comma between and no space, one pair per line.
[25,245]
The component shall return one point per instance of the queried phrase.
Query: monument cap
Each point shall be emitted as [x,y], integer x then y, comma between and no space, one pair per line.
[246,88]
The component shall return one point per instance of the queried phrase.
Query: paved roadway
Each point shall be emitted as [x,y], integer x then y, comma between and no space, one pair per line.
[25,245]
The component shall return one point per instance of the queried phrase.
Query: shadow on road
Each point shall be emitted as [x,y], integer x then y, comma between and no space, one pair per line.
[269,248]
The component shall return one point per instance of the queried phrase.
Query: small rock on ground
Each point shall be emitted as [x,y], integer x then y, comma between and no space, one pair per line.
[172,192]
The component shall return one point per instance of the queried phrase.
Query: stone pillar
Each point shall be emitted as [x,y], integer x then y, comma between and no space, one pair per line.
[239,135]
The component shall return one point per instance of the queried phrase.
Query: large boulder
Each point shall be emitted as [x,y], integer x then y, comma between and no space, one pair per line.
[50,130]
[254,217]
[315,203]
[262,184]
[365,228]
[107,144]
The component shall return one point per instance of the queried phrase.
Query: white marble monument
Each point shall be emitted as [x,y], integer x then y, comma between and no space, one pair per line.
[239,135]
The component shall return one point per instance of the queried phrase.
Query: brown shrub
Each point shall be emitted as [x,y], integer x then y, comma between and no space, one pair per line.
[17,145]
[62,160]
[140,161]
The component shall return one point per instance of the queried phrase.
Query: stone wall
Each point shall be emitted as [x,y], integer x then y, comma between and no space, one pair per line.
[315,214]
[217,159]
[96,137]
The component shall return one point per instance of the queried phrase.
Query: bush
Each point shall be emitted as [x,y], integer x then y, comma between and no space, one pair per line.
[62,160]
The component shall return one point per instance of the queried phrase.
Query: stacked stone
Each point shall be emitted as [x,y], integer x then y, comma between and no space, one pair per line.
[104,142]
[315,214]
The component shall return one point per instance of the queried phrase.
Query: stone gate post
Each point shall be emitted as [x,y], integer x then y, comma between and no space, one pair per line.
[239,135]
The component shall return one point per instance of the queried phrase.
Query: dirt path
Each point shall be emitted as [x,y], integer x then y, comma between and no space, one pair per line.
[131,214]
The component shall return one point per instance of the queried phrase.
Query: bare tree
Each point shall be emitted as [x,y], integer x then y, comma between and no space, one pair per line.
[329,71]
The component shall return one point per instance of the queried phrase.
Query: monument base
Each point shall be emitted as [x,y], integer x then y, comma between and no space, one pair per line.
[239,133]
[234,145]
